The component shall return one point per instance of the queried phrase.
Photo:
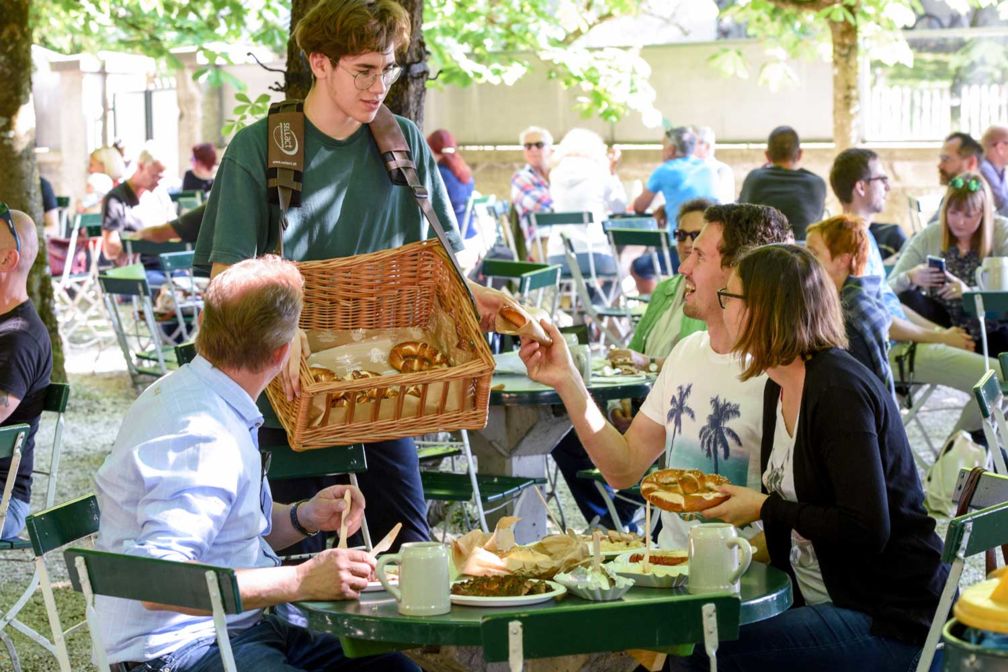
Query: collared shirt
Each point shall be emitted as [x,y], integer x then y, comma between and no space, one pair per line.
[999,186]
[877,269]
[530,192]
[183,482]
[867,323]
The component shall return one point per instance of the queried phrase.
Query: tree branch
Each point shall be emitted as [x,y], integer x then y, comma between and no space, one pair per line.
[807,5]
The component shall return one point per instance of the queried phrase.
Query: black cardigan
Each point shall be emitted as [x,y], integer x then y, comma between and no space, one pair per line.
[860,501]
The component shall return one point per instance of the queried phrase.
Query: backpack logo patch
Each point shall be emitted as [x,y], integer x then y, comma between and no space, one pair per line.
[285,139]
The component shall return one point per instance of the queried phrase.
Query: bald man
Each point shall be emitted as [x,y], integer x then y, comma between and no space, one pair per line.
[995,145]
[25,355]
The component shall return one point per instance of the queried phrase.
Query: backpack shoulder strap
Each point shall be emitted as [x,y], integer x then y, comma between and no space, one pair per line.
[395,152]
[285,158]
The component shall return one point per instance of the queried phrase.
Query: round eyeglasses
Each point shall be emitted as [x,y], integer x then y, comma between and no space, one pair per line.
[365,79]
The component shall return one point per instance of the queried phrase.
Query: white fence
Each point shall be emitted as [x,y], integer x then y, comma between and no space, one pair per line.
[931,112]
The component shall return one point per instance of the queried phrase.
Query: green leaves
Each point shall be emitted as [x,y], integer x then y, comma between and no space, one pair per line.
[246,112]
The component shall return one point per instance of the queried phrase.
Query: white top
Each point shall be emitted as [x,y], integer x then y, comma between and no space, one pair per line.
[714,420]
[580,184]
[779,478]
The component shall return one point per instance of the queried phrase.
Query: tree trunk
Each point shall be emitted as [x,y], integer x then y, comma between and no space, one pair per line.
[19,180]
[407,95]
[846,85]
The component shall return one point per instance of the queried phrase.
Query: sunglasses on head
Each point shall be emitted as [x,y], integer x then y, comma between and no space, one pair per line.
[972,185]
[5,215]
[681,235]
[537,145]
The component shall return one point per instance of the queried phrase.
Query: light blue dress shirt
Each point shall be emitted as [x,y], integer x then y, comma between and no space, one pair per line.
[183,482]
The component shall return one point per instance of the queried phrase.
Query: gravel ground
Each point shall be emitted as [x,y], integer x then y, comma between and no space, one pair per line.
[101,393]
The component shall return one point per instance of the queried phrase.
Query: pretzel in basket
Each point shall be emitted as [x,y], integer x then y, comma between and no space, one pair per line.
[411,356]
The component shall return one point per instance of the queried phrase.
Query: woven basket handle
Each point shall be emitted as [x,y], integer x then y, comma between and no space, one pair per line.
[399,163]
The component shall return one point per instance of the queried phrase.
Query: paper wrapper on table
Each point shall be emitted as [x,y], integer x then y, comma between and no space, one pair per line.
[476,554]
[413,287]
[531,328]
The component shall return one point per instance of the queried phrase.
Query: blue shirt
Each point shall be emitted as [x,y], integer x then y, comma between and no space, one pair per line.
[680,180]
[867,323]
[183,482]
[459,193]
[998,184]
[876,268]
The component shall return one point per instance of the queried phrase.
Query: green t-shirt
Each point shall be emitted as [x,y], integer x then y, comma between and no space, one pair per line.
[348,203]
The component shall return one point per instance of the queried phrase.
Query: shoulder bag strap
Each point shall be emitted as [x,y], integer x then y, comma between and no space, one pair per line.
[285,160]
[402,171]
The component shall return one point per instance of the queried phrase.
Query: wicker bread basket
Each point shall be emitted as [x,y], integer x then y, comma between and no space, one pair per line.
[410,286]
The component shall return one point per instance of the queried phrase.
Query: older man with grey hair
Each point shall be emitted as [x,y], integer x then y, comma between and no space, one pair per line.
[681,177]
[992,167]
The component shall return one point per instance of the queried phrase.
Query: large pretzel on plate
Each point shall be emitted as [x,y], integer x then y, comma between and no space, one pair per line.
[411,356]
[683,490]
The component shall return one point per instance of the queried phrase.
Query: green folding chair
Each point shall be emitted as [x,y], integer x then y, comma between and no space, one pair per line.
[57,396]
[990,398]
[983,305]
[137,332]
[981,526]
[656,241]
[613,323]
[533,281]
[185,585]
[76,294]
[177,267]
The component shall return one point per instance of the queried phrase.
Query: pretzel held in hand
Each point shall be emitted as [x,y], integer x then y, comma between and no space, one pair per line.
[515,320]
[683,490]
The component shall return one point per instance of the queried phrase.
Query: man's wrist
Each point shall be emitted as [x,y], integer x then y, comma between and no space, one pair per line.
[296,523]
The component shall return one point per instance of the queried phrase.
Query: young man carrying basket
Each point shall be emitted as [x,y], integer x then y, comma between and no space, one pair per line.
[348,204]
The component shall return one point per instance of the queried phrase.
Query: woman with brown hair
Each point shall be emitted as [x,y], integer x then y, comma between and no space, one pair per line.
[457,176]
[841,503]
[966,233]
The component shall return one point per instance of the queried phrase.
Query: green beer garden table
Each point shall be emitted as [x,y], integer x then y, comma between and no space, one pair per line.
[645,618]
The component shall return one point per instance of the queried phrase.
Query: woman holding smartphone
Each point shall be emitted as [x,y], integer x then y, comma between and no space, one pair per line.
[966,233]
[841,502]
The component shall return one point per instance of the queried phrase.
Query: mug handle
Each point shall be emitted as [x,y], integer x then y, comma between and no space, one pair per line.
[746,551]
[388,559]
[979,277]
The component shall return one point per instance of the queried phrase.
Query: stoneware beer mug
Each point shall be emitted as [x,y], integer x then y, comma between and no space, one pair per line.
[992,276]
[424,587]
[718,558]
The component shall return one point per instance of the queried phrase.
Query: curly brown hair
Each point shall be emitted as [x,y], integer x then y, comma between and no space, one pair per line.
[339,28]
[744,225]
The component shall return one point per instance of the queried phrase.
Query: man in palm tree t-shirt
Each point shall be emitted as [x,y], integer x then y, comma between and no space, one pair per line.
[698,408]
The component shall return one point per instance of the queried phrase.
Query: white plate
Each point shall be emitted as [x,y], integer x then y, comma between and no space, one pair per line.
[659,576]
[611,555]
[517,601]
[375,586]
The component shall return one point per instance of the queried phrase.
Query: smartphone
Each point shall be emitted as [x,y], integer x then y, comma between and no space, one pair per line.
[937,263]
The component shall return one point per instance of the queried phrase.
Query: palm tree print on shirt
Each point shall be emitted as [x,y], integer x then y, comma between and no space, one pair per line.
[715,435]
[677,409]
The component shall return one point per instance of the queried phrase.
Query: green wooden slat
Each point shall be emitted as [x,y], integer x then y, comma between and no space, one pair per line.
[548,219]
[286,463]
[437,453]
[167,354]
[10,436]
[995,303]
[62,524]
[187,193]
[176,261]
[185,353]
[141,246]
[62,201]
[446,486]
[543,278]
[547,633]
[988,529]
[639,223]
[179,584]
[57,396]
[124,286]
[505,268]
[658,239]
[987,392]
[15,545]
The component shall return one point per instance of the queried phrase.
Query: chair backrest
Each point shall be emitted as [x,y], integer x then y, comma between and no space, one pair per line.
[176,261]
[541,220]
[988,394]
[989,488]
[531,277]
[976,532]
[584,296]
[646,223]
[12,437]
[168,582]
[187,193]
[185,353]
[56,400]
[648,238]
[284,463]
[141,246]
[916,219]
[63,524]
[125,281]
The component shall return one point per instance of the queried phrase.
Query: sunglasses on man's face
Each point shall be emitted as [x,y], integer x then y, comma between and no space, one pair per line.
[6,216]
[537,145]
[681,235]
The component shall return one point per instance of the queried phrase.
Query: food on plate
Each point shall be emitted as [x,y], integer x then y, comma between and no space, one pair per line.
[663,558]
[411,356]
[512,585]
[614,541]
[683,490]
